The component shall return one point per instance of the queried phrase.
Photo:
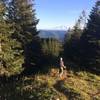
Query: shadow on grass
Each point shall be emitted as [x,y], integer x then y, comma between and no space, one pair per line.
[69,92]
[77,68]
[11,91]
[27,89]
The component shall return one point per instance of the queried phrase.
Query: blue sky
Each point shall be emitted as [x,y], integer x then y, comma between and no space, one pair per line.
[55,14]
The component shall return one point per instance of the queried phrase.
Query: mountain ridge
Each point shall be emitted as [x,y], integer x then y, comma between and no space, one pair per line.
[57,34]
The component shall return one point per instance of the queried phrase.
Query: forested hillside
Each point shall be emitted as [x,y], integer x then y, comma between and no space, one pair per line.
[48,64]
[57,34]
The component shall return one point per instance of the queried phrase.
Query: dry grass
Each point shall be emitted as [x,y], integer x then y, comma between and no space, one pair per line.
[76,86]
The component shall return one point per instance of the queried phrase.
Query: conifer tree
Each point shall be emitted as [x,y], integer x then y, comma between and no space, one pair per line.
[22,15]
[71,43]
[68,34]
[51,50]
[11,58]
[90,40]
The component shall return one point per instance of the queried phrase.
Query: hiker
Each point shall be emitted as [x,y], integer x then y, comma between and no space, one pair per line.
[62,67]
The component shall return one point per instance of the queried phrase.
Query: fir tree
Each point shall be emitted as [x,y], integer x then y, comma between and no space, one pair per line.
[71,44]
[51,49]
[11,58]
[22,15]
[90,40]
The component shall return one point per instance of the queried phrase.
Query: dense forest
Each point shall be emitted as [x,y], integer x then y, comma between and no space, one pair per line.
[29,63]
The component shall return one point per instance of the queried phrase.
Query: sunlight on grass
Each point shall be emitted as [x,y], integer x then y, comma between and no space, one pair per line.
[78,86]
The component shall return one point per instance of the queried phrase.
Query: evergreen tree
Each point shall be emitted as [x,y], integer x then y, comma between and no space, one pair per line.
[68,34]
[11,58]
[76,31]
[71,44]
[22,15]
[90,40]
[51,50]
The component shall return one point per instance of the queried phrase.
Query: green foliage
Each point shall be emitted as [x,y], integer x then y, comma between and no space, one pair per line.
[72,39]
[90,40]
[51,49]
[71,43]
[51,46]
[11,58]
[22,14]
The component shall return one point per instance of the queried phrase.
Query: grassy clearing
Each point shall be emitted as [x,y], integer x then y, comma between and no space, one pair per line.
[77,86]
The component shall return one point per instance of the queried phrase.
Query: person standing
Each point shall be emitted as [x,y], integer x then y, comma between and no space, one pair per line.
[62,67]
